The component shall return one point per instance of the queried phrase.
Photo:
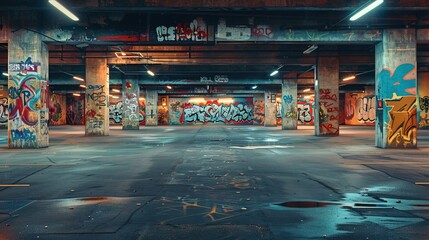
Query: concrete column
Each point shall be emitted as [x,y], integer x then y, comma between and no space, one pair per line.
[96,97]
[130,99]
[395,86]
[151,107]
[27,86]
[423,93]
[270,109]
[289,104]
[326,107]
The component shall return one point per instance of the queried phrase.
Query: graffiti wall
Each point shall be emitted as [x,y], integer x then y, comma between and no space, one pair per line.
[116,108]
[400,116]
[130,109]
[360,109]
[304,111]
[181,30]
[24,109]
[423,117]
[184,111]
[3,107]
[329,111]
[258,109]
[57,109]
[75,112]
[163,110]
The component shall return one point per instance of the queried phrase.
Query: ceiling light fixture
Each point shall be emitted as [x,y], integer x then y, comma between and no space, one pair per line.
[78,78]
[116,90]
[276,71]
[169,87]
[76,94]
[349,78]
[82,86]
[150,73]
[5,74]
[254,87]
[64,10]
[113,96]
[310,49]
[365,9]
[307,90]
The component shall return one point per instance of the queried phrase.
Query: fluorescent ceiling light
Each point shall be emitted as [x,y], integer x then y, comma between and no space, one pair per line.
[349,78]
[113,96]
[150,73]
[365,10]
[63,10]
[310,49]
[254,87]
[307,90]
[5,74]
[78,78]
[82,86]
[76,94]
[274,73]
[169,87]
[116,90]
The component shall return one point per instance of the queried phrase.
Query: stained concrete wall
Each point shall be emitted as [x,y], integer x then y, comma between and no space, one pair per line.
[270,109]
[289,105]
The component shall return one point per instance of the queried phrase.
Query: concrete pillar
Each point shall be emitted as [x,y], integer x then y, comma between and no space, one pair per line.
[96,97]
[27,86]
[130,99]
[423,93]
[151,107]
[396,82]
[270,109]
[326,107]
[289,104]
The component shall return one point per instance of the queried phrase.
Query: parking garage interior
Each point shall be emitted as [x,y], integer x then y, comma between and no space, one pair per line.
[214,120]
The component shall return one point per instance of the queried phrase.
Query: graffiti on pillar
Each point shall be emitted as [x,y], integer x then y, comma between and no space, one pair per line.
[401,101]
[360,109]
[259,112]
[115,112]
[75,110]
[58,105]
[24,67]
[194,30]
[3,112]
[424,107]
[239,111]
[130,110]
[304,112]
[328,112]
[402,129]
[24,92]
[97,95]
[142,112]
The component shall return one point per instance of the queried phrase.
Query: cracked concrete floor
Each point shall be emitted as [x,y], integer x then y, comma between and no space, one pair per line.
[214,182]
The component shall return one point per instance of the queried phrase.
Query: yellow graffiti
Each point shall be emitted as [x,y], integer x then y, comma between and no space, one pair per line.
[403,122]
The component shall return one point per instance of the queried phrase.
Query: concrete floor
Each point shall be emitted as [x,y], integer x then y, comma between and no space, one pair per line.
[214,182]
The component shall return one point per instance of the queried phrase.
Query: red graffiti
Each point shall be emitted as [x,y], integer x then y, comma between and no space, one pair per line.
[259,32]
[25,101]
[91,113]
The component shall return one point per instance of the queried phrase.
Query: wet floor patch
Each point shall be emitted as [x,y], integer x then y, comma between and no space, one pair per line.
[306,204]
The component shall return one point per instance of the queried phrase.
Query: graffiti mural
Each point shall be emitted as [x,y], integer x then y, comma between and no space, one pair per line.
[162,115]
[27,103]
[360,109]
[304,112]
[3,109]
[211,111]
[58,106]
[258,111]
[194,30]
[75,110]
[130,109]
[259,29]
[328,113]
[116,110]
[403,121]
[400,116]
[424,108]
